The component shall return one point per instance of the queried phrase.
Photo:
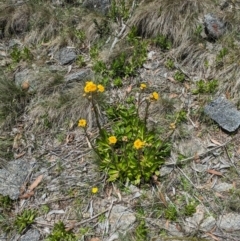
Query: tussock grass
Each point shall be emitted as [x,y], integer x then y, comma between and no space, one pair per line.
[59,109]
[13,100]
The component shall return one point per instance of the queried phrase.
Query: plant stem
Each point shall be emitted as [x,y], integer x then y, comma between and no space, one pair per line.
[146,113]
[96,114]
[89,140]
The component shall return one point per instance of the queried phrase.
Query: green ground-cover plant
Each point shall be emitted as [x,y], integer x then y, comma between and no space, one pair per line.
[125,64]
[163,42]
[24,219]
[59,233]
[129,151]
[17,55]
[5,202]
[171,213]
[206,87]
[179,76]
[169,64]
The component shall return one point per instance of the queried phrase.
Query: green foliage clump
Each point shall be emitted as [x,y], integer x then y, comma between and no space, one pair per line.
[171,213]
[6,202]
[190,209]
[24,219]
[59,233]
[119,10]
[179,76]
[163,42]
[125,64]
[141,231]
[123,160]
[129,151]
[17,55]
[169,64]
[206,87]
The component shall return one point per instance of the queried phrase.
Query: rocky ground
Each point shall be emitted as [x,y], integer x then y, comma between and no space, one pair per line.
[48,164]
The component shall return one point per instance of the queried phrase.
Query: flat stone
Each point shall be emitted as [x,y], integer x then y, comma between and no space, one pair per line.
[229,222]
[223,187]
[208,224]
[121,218]
[13,178]
[224,113]
[66,56]
[165,170]
[31,235]
[78,76]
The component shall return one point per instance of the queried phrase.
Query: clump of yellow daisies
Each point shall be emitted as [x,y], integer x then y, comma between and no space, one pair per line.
[130,152]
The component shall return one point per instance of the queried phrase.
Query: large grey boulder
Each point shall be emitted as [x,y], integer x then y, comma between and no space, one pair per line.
[31,235]
[224,113]
[78,76]
[66,55]
[12,178]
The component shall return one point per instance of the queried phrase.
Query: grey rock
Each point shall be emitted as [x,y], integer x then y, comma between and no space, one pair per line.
[223,187]
[165,170]
[31,235]
[29,75]
[208,224]
[121,218]
[214,27]
[13,177]
[78,76]
[66,55]
[229,222]
[101,6]
[224,113]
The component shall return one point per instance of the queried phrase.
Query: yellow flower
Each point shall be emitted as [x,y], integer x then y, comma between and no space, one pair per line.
[90,87]
[138,144]
[112,140]
[94,190]
[143,86]
[100,88]
[154,96]
[82,123]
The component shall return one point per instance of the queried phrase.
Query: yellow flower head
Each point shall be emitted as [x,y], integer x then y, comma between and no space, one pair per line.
[100,88]
[143,86]
[138,144]
[94,190]
[90,87]
[82,123]
[154,96]
[112,140]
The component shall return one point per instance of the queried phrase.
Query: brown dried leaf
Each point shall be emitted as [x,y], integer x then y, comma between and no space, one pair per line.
[215,142]
[212,236]
[70,138]
[35,183]
[171,79]
[163,199]
[16,141]
[172,96]
[27,195]
[214,172]
[129,89]
[20,155]
[186,86]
